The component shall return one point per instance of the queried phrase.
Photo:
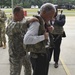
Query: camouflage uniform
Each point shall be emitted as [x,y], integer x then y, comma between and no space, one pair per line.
[2,27]
[17,54]
[9,19]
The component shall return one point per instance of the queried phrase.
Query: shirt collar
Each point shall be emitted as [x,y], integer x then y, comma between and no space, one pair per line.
[43,21]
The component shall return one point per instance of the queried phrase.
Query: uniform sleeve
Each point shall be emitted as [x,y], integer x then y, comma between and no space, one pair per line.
[31,37]
[7,30]
[10,28]
[3,18]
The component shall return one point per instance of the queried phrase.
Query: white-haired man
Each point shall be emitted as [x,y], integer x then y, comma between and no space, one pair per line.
[35,40]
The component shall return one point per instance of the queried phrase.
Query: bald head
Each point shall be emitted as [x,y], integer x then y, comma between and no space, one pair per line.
[47,11]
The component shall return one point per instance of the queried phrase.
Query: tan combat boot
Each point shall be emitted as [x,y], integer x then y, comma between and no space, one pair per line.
[4,46]
[1,44]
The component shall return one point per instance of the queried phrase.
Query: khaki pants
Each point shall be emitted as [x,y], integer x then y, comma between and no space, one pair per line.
[2,34]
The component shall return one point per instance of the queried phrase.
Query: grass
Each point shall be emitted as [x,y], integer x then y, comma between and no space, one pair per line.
[31,11]
[69,12]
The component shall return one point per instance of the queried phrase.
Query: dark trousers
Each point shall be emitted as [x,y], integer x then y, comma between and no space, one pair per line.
[40,64]
[56,48]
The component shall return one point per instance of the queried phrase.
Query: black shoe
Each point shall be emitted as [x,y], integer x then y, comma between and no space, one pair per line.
[56,65]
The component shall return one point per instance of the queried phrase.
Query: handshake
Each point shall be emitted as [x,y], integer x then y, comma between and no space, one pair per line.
[49,28]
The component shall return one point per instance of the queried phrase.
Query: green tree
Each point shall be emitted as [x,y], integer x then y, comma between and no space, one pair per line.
[28,3]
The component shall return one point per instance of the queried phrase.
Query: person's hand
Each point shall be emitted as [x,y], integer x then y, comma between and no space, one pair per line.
[53,19]
[46,35]
[50,28]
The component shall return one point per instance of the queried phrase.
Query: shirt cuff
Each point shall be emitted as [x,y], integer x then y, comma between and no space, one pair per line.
[41,38]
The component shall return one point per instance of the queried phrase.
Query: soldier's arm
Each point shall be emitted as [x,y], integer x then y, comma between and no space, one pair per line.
[10,28]
[26,22]
[3,18]
[33,19]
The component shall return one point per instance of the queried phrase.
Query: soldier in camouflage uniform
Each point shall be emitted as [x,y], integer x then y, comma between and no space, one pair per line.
[2,29]
[17,55]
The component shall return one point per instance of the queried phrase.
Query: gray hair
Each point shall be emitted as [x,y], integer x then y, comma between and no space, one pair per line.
[47,7]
